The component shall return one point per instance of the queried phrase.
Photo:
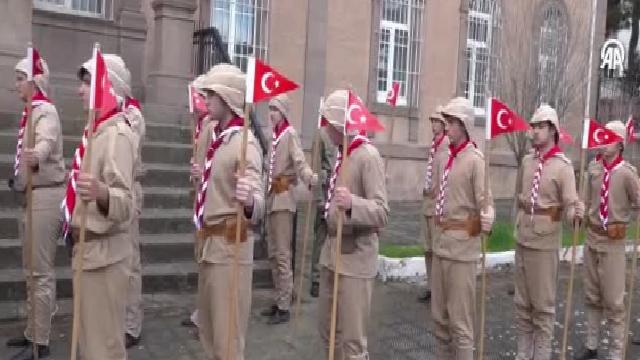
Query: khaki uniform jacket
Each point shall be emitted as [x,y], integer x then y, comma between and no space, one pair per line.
[369,214]
[220,203]
[138,127]
[48,146]
[624,193]
[464,198]
[557,189]
[441,155]
[112,162]
[289,161]
[327,152]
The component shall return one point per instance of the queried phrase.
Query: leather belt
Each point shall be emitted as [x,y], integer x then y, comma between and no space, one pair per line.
[472,225]
[280,184]
[614,231]
[47,186]
[554,212]
[226,229]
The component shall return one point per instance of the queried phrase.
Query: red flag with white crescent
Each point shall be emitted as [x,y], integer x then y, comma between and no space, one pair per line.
[565,137]
[631,130]
[358,118]
[102,96]
[392,94]
[263,82]
[196,101]
[504,120]
[595,135]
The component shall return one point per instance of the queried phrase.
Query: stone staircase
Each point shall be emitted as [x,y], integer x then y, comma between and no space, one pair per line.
[166,228]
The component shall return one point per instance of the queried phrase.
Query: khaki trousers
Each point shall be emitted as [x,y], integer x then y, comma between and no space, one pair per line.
[134,311]
[102,312]
[46,231]
[214,309]
[453,306]
[320,235]
[535,299]
[428,232]
[279,250]
[354,306]
[604,284]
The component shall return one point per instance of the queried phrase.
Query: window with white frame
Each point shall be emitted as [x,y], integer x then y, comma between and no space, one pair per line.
[90,8]
[552,42]
[399,43]
[481,33]
[243,26]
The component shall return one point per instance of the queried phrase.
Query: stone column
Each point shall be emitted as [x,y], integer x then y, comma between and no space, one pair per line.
[132,36]
[15,33]
[171,58]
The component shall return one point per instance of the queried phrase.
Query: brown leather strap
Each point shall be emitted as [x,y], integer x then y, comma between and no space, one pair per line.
[453,224]
[225,228]
[208,231]
[48,186]
[554,211]
[282,183]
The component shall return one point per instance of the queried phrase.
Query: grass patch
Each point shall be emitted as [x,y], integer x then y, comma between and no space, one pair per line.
[501,239]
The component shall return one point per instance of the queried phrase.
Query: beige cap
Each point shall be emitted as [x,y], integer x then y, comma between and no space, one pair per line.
[462,109]
[41,80]
[282,103]
[228,82]
[546,113]
[334,108]
[617,127]
[437,114]
[119,75]
[197,83]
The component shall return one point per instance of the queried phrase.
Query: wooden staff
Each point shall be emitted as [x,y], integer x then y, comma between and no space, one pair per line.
[31,141]
[315,154]
[577,226]
[79,253]
[483,239]
[233,294]
[338,252]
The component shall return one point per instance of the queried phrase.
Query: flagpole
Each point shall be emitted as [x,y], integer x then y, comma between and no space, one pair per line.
[315,164]
[338,252]
[79,251]
[577,226]
[31,139]
[233,294]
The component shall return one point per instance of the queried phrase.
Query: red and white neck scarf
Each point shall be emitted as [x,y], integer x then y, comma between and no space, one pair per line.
[38,99]
[535,185]
[355,143]
[442,191]
[69,202]
[218,137]
[604,190]
[199,122]
[278,133]
[130,102]
[435,144]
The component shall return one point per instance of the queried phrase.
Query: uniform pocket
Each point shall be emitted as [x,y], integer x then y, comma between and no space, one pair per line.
[542,225]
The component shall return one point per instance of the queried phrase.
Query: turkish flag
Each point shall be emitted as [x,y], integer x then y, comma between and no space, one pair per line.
[595,135]
[196,101]
[358,118]
[631,130]
[504,120]
[34,63]
[392,94]
[102,97]
[565,137]
[263,82]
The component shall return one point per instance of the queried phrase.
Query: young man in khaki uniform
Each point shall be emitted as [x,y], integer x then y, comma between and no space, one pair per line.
[548,190]
[287,164]
[134,313]
[327,157]
[462,212]
[437,152]
[216,167]
[107,188]
[612,191]
[362,195]
[47,166]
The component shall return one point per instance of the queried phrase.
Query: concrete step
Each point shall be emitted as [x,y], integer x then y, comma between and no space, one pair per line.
[176,277]
[161,151]
[154,249]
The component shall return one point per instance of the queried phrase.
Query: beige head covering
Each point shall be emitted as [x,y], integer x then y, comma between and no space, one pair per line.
[42,80]
[462,109]
[228,82]
[437,114]
[617,127]
[197,83]
[282,103]
[119,75]
[546,113]
[334,107]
